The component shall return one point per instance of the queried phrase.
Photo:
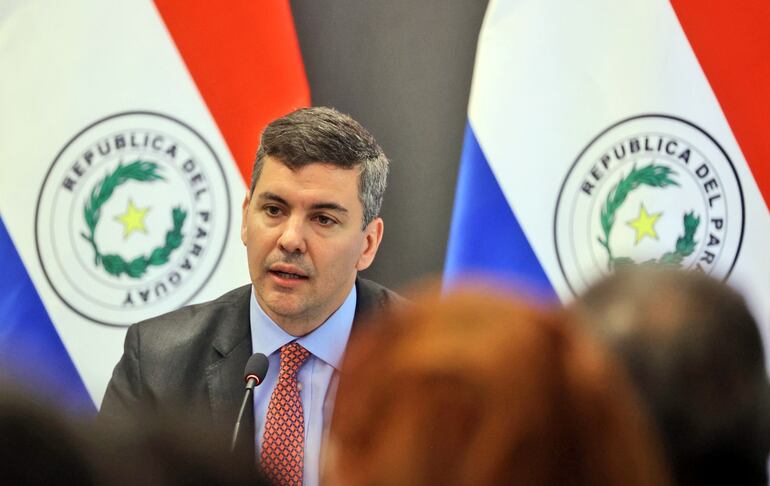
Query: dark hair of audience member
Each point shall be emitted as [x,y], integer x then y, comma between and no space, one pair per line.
[41,446]
[476,389]
[695,352]
[175,451]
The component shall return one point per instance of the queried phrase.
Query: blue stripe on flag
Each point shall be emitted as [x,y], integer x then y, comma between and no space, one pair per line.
[31,352]
[485,238]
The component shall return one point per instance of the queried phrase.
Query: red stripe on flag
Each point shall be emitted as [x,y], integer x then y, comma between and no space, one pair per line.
[731,41]
[245,60]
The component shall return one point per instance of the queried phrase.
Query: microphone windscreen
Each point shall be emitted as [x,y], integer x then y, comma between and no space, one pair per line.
[256,367]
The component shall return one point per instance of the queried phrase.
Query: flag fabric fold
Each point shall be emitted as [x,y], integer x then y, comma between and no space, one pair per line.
[485,238]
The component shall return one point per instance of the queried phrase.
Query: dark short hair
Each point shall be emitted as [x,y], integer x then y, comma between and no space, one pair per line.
[695,352]
[321,134]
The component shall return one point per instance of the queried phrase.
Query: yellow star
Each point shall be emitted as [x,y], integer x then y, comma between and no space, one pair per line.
[132,219]
[644,224]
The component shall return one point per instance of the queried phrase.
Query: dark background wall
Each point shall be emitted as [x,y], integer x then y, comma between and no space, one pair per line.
[403,69]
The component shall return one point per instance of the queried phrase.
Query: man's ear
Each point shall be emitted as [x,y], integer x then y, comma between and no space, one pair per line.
[244,215]
[372,238]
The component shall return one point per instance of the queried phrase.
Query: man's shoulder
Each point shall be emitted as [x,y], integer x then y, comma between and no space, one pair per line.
[167,358]
[197,319]
[373,297]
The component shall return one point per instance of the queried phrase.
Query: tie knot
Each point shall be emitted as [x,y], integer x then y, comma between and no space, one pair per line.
[292,357]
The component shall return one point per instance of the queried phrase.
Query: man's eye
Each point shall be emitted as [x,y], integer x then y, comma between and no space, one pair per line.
[324,220]
[272,210]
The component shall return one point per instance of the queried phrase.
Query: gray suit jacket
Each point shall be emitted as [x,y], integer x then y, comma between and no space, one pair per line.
[191,361]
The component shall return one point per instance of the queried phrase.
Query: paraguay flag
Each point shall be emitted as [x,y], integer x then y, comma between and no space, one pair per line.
[127,133]
[602,133]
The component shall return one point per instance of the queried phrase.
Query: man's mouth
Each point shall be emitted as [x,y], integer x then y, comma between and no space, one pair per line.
[288,275]
[287,272]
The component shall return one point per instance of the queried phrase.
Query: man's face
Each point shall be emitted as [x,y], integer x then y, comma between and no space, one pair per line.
[304,242]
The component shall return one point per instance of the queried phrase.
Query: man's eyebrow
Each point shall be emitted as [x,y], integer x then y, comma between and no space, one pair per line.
[330,206]
[269,196]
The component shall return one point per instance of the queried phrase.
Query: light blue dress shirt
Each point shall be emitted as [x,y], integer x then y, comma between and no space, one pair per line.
[317,378]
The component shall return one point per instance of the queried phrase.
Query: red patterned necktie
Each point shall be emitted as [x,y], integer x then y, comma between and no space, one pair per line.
[283,444]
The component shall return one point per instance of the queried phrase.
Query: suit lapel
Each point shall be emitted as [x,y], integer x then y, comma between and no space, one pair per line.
[224,376]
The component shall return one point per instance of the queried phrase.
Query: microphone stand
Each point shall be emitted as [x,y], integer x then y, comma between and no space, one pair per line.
[250,384]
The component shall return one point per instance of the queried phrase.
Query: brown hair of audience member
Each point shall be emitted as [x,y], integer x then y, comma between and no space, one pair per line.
[473,388]
[694,350]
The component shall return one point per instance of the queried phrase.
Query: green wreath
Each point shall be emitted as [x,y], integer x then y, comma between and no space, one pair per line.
[114,264]
[654,176]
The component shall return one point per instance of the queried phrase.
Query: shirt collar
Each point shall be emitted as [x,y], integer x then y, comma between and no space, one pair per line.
[327,342]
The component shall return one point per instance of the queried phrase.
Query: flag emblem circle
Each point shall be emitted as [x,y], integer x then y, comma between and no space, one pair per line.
[650,189]
[132,217]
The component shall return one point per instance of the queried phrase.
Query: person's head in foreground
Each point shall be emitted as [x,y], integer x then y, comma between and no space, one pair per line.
[41,445]
[476,389]
[694,350]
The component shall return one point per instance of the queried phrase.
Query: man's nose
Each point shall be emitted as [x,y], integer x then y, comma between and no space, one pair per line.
[292,239]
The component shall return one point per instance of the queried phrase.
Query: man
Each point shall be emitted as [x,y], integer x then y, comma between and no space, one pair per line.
[694,351]
[310,223]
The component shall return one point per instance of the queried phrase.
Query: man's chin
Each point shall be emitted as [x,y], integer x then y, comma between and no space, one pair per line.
[284,306]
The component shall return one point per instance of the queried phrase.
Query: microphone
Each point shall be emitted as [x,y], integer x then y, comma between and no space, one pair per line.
[254,375]
[255,371]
